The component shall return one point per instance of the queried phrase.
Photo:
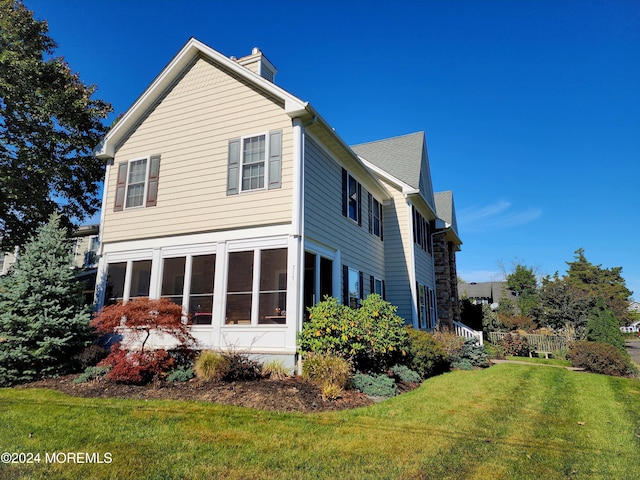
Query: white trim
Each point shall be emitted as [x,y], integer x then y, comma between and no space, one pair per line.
[186,56]
[412,269]
[147,161]
[199,239]
[265,161]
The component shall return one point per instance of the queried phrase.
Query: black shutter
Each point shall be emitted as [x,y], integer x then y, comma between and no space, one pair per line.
[361,285]
[121,185]
[370,203]
[359,204]
[384,290]
[345,285]
[154,175]
[372,284]
[345,194]
[381,223]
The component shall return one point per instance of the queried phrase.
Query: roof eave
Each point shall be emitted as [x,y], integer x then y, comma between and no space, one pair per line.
[106,148]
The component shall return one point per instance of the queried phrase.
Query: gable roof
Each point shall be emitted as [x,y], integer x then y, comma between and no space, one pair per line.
[445,209]
[402,160]
[192,50]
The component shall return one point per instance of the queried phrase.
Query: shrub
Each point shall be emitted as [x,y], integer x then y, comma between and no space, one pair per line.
[241,367]
[517,322]
[426,356]
[331,392]
[180,374]
[450,343]
[405,374]
[493,351]
[91,356]
[275,369]
[371,337]
[473,353]
[603,326]
[326,370]
[514,344]
[91,373]
[376,385]
[601,358]
[461,364]
[210,365]
[136,367]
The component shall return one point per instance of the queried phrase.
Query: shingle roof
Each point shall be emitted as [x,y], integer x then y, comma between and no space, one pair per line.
[399,156]
[445,209]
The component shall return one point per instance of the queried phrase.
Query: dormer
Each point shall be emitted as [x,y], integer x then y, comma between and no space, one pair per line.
[258,63]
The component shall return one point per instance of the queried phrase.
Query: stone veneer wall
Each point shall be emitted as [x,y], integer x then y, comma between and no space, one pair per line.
[446,281]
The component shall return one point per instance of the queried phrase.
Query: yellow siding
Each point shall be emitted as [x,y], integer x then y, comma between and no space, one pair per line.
[190,128]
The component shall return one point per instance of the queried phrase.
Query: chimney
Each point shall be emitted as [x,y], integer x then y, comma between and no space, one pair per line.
[258,63]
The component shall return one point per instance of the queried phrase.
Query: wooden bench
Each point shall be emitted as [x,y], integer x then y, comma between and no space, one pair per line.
[538,352]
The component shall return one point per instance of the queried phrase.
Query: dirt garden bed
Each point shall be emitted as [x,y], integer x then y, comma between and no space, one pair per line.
[288,395]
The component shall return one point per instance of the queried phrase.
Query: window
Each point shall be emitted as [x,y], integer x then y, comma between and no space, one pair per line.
[377,286]
[269,267]
[173,279]
[421,231]
[352,288]
[2,257]
[351,198]
[273,286]
[375,217]
[197,294]
[422,307]
[115,282]
[239,288]
[140,278]
[255,163]
[137,183]
[201,289]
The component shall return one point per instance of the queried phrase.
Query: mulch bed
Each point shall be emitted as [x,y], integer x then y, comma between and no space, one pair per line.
[292,394]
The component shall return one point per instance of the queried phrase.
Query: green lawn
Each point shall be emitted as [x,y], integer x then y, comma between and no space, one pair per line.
[506,422]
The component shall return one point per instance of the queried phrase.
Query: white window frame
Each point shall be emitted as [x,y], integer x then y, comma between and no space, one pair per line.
[378,282]
[349,195]
[147,161]
[376,213]
[265,161]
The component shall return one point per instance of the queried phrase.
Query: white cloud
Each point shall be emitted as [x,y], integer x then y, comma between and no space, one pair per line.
[498,215]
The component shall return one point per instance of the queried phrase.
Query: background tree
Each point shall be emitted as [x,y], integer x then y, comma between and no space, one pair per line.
[49,126]
[563,307]
[603,326]
[601,282]
[523,282]
[43,319]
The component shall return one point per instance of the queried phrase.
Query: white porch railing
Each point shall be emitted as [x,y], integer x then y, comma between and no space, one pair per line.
[462,330]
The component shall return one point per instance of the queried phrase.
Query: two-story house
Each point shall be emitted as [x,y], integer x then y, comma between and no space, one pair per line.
[237,200]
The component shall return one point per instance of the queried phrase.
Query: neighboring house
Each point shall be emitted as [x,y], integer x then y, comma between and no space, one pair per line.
[85,245]
[237,200]
[489,293]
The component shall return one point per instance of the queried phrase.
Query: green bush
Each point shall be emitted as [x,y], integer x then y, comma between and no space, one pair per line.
[405,374]
[603,326]
[601,358]
[376,385]
[210,365]
[91,373]
[372,337]
[474,353]
[425,355]
[180,374]
[493,351]
[326,370]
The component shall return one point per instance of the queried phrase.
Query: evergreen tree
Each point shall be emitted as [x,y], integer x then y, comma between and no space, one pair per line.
[43,320]
[523,282]
[603,327]
[605,283]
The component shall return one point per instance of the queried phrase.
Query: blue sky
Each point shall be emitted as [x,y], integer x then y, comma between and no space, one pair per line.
[531,108]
